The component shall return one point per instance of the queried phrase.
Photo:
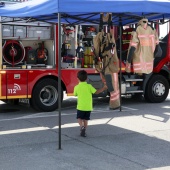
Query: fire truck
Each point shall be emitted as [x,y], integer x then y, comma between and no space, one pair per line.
[29,64]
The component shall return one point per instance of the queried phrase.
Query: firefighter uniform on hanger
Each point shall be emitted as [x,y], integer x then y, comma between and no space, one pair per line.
[107,64]
[141,48]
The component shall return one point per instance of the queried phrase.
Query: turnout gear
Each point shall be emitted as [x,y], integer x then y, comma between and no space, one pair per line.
[107,63]
[111,80]
[141,48]
[104,47]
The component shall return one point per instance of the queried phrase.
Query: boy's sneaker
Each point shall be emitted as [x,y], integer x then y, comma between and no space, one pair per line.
[83,131]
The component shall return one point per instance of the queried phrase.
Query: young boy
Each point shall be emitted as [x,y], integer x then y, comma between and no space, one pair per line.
[84,93]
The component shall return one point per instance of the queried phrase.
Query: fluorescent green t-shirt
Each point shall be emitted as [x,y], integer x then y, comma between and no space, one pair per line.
[84,93]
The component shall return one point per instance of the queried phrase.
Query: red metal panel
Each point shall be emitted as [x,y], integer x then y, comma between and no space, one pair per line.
[3,85]
[16,84]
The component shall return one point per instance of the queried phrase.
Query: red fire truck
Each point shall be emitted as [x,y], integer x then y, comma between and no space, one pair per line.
[29,65]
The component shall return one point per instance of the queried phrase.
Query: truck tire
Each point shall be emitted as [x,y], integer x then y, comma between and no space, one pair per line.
[157,89]
[45,95]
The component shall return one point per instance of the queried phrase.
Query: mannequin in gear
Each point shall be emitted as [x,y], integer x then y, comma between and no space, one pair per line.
[107,63]
[142,47]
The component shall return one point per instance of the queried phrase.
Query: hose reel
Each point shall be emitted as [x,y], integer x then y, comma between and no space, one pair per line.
[13,52]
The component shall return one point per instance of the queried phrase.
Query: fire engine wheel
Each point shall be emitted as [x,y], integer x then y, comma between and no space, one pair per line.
[157,89]
[45,96]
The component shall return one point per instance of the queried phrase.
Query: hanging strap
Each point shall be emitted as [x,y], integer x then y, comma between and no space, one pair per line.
[101,23]
[109,22]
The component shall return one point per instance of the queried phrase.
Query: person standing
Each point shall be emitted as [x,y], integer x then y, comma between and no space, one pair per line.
[84,92]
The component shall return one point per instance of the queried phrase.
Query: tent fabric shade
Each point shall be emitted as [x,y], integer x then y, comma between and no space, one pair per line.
[115,6]
[30,8]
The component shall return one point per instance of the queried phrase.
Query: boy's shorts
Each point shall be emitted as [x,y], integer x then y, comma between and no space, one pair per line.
[83,114]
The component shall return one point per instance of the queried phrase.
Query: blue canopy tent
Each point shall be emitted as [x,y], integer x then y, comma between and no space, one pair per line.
[115,6]
[30,8]
[86,11]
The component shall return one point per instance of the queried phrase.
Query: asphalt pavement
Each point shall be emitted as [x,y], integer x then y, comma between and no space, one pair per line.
[135,138]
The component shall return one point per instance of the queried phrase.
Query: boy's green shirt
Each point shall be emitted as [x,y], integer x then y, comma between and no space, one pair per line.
[84,93]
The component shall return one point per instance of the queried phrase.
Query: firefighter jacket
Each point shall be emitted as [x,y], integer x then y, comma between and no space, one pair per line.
[141,48]
[105,53]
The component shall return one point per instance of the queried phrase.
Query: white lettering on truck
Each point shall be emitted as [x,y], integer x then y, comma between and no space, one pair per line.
[14,90]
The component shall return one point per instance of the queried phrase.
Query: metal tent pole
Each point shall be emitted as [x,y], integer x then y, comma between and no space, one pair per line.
[59,80]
